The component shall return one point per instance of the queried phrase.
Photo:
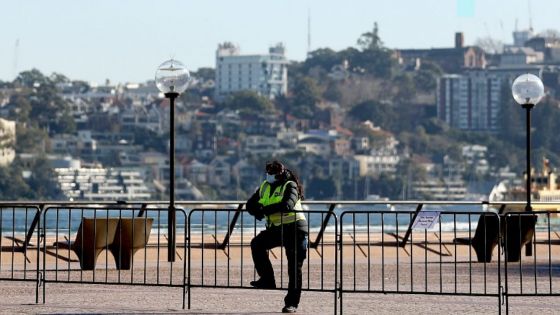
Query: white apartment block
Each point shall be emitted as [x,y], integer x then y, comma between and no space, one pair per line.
[101,184]
[7,141]
[470,101]
[264,74]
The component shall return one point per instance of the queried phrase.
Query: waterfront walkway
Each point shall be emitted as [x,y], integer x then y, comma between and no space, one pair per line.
[18,298]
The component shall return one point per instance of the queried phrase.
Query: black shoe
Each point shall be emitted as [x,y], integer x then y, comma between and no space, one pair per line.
[263,284]
[289,309]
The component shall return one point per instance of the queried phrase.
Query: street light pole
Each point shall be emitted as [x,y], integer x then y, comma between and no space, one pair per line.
[171,229]
[528,108]
[172,78]
[527,90]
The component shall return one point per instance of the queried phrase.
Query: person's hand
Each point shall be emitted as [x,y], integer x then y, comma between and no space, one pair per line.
[251,211]
[256,211]
[259,216]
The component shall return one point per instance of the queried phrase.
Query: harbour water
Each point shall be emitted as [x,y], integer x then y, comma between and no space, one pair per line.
[373,218]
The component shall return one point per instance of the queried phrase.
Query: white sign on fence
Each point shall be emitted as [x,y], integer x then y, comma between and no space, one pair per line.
[425,220]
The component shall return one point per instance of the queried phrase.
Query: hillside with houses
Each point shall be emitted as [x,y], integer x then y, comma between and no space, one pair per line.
[360,123]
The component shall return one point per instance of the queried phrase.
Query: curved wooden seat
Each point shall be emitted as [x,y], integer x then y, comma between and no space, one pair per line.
[132,234]
[93,236]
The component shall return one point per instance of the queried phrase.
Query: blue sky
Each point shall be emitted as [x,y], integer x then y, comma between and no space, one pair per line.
[125,40]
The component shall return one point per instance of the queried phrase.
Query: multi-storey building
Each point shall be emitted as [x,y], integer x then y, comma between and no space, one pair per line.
[471,101]
[7,140]
[102,184]
[265,74]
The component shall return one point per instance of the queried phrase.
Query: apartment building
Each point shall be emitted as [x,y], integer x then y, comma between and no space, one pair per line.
[7,141]
[102,184]
[265,74]
[469,101]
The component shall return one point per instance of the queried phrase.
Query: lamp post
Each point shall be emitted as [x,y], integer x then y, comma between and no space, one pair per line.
[528,90]
[172,78]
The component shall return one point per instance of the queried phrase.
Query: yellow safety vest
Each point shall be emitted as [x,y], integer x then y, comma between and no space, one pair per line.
[278,218]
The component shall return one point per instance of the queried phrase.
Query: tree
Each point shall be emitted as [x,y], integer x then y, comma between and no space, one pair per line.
[305,96]
[425,81]
[377,62]
[57,78]
[380,114]
[405,88]
[249,102]
[42,180]
[325,58]
[205,74]
[12,185]
[31,78]
[370,40]
[374,58]
[30,139]
[332,92]
[64,124]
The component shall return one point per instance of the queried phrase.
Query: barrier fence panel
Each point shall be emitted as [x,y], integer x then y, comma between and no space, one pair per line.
[219,251]
[19,243]
[113,245]
[536,274]
[444,254]
[351,248]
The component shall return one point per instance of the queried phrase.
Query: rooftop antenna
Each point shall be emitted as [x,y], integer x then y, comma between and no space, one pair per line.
[16,53]
[308,32]
[530,16]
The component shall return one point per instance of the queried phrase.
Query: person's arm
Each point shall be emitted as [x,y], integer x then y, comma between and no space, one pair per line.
[288,202]
[253,206]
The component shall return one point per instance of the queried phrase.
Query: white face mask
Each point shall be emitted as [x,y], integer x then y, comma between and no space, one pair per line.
[270,178]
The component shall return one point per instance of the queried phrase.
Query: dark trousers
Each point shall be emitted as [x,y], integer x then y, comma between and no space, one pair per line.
[294,242]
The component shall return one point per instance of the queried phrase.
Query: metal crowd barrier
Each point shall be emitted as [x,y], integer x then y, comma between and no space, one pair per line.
[354,247]
[381,252]
[535,275]
[19,250]
[228,263]
[111,245]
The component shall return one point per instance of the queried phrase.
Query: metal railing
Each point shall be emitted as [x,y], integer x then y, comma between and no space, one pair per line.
[380,252]
[111,245]
[535,275]
[354,247]
[19,251]
[228,264]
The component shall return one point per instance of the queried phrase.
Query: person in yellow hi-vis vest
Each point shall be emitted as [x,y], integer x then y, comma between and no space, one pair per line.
[278,199]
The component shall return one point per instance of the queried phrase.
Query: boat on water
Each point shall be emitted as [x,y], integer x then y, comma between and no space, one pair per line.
[544,188]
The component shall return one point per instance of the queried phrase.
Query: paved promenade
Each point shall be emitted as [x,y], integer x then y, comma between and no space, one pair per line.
[18,298]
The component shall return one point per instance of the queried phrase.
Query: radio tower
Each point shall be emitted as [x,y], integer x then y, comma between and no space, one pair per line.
[530,16]
[308,32]
[16,53]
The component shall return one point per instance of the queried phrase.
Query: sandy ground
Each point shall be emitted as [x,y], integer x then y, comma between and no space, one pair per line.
[423,266]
